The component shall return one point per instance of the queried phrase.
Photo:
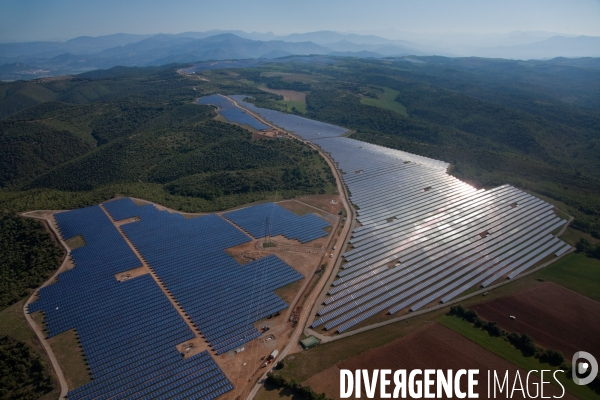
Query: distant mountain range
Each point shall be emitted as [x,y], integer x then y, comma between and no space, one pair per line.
[38,59]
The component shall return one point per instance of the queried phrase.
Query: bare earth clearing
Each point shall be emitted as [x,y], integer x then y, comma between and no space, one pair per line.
[287,94]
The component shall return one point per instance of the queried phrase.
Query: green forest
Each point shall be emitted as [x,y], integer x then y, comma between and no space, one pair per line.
[28,256]
[70,142]
[24,375]
[532,124]
[67,143]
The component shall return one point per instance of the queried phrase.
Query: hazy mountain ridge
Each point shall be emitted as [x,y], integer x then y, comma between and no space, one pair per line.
[38,59]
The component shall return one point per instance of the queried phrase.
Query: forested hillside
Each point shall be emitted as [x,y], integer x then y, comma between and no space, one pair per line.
[24,374]
[70,142]
[75,141]
[135,131]
[28,256]
[533,124]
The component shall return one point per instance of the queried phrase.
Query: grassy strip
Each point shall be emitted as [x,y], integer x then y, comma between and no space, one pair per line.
[301,366]
[387,101]
[69,355]
[286,105]
[505,350]
[576,272]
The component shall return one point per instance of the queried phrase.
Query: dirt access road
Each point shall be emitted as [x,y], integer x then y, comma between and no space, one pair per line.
[64,388]
[311,301]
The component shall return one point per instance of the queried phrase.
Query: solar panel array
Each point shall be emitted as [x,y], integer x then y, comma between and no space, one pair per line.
[425,236]
[232,113]
[222,298]
[128,330]
[307,128]
[304,228]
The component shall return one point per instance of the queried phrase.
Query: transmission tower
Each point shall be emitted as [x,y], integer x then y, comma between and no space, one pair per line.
[267,231]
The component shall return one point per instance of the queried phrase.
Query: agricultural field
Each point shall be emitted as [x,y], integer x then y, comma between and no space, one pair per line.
[576,272]
[387,100]
[508,352]
[291,100]
[433,346]
[556,317]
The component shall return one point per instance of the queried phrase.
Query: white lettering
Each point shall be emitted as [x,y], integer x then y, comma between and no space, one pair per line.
[414,384]
[542,384]
[443,383]
[346,375]
[517,376]
[497,383]
[535,384]
[561,386]
[459,394]
[411,384]
[400,382]
[384,382]
[370,385]
[473,383]
[428,383]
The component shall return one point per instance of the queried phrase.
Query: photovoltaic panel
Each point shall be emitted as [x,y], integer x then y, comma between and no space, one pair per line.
[257,220]
[231,112]
[423,232]
[128,330]
[222,298]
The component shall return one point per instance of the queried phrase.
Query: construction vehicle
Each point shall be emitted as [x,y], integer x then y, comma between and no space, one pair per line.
[273,354]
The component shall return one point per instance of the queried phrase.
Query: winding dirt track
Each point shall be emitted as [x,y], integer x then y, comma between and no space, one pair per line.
[64,388]
[307,312]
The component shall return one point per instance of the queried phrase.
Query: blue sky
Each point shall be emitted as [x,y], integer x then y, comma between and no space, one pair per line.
[24,20]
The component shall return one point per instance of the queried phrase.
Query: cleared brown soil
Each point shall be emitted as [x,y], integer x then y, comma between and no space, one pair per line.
[320,201]
[287,94]
[433,346]
[268,134]
[556,317]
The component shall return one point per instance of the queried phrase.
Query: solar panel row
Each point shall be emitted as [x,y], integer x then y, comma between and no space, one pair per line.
[424,234]
[222,298]
[279,221]
[439,233]
[128,330]
[232,113]
[307,128]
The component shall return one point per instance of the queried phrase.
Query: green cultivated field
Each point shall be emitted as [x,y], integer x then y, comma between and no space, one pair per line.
[319,358]
[505,350]
[386,100]
[287,105]
[576,272]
